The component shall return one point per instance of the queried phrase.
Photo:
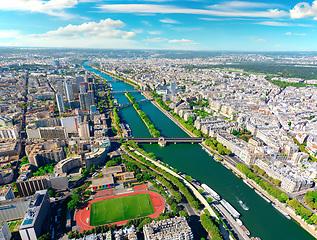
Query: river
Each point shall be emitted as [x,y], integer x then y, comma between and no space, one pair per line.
[261,219]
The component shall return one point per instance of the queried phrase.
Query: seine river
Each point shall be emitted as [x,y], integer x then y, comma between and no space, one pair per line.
[261,219]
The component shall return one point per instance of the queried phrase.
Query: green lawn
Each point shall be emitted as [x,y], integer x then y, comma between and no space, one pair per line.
[119,209]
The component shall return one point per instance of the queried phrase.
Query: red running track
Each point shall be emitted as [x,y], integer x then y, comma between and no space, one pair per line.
[82,216]
[104,193]
[140,187]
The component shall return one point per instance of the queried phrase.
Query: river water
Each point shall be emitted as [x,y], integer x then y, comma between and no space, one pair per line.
[261,219]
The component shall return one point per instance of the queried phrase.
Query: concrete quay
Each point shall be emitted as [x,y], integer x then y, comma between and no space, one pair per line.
[221,209]
[230,163]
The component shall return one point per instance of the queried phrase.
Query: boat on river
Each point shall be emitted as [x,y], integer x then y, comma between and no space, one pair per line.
[230,209]
[211,192]
[281,211]
[207,151]
[245,207]
[248,184]
[239,222]
[261,195]
[226,166]
[236,174]
[247,232]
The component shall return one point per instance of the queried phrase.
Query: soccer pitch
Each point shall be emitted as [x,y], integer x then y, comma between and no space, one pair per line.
[119,209]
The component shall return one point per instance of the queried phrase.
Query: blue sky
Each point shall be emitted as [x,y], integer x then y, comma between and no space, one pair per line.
[160,24]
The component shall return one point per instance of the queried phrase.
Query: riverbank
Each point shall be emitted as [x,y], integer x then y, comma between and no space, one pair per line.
[309,228]
[262,219]
[153,131]
[127,81]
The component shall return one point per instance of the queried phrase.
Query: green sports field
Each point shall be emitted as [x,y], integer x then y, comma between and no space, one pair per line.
[119,209]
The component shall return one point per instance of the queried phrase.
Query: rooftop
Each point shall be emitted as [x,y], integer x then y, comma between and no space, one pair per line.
[114,169]
[107,179]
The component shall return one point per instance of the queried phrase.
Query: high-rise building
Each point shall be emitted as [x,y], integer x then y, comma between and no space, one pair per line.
[6,193]
[75,89]
[5,233]
[30,186]
[70,123]
[69,92]
[85,101]
[173,87]
[60,87]
[56,63]
[83,130]
[80,79]
[41,157]
[83,87]
[60,103]
[9,132]
[52,132]
[91,98]
[34,218]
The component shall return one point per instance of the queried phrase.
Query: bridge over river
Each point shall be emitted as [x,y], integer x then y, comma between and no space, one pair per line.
[130,104]
[125,91]
[161,140]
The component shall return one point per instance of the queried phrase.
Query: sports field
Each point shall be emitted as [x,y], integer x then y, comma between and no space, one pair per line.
[119,209]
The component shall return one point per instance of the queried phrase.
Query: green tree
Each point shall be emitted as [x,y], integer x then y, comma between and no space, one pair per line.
[201,191]
[46,236]
[183,214]
[283,198]
[111,163]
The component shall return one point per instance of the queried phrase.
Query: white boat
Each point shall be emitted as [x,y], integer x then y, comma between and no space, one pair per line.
[207,151]
[226,166]
[261,195]
[281,211]
[248,184]
[211,192]
[230,209]
[240,223]
[245,207]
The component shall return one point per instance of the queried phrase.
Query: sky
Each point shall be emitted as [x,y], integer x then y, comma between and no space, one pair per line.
[160,24]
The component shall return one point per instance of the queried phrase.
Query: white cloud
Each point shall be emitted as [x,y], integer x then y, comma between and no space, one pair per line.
[168,20]
[242,5]
[169,9]
[297,34]
[303,10]
[282,24]
[154,32]
[146,23]
[51,7]
[182,41]
[105,29]
[212,19]
[278,24]
[158,39]
[9,33]
[260,40]
[103,34]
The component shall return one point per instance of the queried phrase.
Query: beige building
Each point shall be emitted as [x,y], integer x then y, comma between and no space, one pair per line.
[9,132]
[5,233]
[38,156]
[6,193]
[83,130]
[175,228]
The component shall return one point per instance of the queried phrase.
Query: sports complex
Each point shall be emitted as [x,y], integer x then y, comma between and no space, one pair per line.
[108,208]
